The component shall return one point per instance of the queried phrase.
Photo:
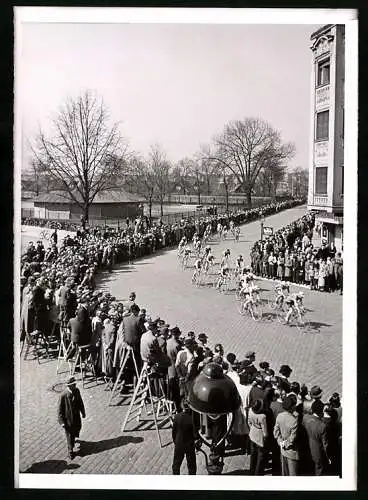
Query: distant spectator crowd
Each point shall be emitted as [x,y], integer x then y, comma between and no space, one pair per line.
[289,255]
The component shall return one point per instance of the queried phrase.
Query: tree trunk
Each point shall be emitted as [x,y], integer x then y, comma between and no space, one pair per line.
[199,195]
[249,198]
[162,206]
[150,211]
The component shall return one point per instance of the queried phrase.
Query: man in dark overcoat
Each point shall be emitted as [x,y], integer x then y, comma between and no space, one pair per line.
[70,409]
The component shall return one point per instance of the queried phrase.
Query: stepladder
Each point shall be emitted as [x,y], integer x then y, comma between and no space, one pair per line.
[64,347]
[149,395]
[127,354]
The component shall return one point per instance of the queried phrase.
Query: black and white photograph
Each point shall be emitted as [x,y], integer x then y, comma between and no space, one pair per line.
[185,206]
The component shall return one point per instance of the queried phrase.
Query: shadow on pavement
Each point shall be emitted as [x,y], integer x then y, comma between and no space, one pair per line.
[92,447]
[51,467]
[316,325]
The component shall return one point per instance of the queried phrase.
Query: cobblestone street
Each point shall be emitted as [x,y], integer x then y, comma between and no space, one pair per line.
[166,291]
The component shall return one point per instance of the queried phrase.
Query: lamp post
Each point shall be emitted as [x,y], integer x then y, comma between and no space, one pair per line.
[215,395]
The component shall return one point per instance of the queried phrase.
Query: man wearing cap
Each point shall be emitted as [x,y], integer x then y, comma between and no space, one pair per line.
[149,347]
[286,434]
[70,408]
[317,436]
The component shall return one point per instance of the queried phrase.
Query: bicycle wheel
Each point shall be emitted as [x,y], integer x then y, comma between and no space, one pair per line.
[242,309]
[238,294]
[281,313]
[300,322]
[256,311]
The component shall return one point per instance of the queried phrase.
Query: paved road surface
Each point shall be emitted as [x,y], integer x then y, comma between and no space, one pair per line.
[162,287]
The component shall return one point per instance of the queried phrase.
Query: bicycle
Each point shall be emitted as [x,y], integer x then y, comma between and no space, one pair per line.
[253,308]
[222,284]
[196,279]
[184,261]
[297,317]
[44,235]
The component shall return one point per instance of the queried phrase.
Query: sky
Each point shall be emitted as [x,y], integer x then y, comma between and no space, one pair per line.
[172,84]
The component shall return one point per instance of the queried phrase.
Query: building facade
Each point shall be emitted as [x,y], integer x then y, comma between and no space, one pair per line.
[326,169]
[107,205]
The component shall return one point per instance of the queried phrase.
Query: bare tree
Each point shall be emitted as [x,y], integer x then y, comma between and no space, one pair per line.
[82,150]
[180,174]
[143,180]
[248,146]
[160,167]
[195,171]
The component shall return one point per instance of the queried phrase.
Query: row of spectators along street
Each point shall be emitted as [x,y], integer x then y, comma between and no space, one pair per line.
[278,419]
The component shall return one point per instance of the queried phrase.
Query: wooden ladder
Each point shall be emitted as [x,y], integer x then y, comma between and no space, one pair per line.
[141,392]
[128,352]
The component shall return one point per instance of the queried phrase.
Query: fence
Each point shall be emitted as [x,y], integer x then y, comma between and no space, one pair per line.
[168,218]
[239,199]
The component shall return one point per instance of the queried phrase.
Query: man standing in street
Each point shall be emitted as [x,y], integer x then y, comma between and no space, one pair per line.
[317,435]
[286,433]
[184,436]
[173,346]
[70,409]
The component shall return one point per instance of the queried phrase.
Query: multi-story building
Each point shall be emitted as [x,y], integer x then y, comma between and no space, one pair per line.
[326,169]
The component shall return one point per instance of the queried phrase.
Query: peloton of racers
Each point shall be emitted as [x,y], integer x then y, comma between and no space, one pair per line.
[246,289]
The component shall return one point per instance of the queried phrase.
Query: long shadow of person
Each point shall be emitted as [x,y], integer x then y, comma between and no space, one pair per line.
[51,467]
[92,447]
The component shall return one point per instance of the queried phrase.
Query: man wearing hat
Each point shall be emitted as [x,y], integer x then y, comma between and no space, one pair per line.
[247,370]
[173,346]
[183,359]
[314,393]
[70,408]
[184,437]
[317,436]
[286,434]
[283,378]
[203,342]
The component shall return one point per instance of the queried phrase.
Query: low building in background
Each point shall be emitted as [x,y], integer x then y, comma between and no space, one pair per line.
[106,205]
[326,170]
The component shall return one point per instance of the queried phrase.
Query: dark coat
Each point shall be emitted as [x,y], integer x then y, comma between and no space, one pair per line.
[173,346]
[183,431]
[132,330]
[81,332]
[317,436]
[70,409]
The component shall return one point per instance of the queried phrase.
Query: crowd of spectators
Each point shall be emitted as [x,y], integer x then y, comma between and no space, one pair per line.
[278,418]
[139,238]
[289,255]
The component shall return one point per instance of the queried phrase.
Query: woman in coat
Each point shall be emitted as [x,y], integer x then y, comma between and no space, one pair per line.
[257,434]
[280,267]
[107,348]
[288,264]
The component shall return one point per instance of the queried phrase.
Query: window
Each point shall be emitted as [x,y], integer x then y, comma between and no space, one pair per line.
[322,126]
[321,180]
[323,72]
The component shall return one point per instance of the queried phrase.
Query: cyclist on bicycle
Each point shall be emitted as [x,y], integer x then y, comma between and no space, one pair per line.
[224,275]
[237,233]
[239,263]
[183,242]
[249,298]
[186,254]
[225,261]
[295,304]
[281,290]
[197,270]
